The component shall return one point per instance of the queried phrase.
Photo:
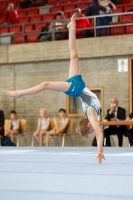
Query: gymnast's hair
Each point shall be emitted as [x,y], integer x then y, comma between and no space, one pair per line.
[82,127]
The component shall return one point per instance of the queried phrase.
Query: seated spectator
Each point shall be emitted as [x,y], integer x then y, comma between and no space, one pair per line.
[115,113]
[60,125]
[2,118]
[82,22]
[15,126]
[43,126]
[129,133]
[59,24]
[10,16]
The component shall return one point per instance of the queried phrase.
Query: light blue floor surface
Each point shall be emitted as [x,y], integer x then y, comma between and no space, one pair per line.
[65,174]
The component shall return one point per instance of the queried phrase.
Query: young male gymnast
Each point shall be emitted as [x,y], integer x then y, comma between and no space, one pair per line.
[75,87]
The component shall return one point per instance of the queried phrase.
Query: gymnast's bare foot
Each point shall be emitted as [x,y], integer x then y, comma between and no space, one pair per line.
[72,24]
[16,94]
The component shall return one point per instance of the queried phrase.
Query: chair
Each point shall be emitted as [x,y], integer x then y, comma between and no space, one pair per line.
[3,5]
[73,1]
[22,12]
[119,9]
[70,13]
[32,11]
[28,28]
[48,16]
[38,26]
[67,14]
[62,1]
[4,29]
[15,29]
[126,2]
[128,7]
[56,8]
[52,2]
[68,131]
[126,18]
[92,21]
[69,7]
[129,29]
[118,30]
[18,39]
[53,136]
[22,134]
[24,19]
[32,37]
[82,5]
[36,18]
[23,128]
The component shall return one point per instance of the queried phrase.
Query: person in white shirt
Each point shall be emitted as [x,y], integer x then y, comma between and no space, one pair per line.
[43,126]
[15,126]
[60,125]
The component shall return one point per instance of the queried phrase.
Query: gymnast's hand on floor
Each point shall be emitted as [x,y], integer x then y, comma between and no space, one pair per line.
[13,93]
[100,156]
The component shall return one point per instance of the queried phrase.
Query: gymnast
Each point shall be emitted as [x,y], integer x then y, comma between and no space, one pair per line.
[75,87]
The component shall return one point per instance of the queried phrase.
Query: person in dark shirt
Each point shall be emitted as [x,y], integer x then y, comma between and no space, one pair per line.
[115,113]
[2,119]
[130,131]
[94,9]
[105,21]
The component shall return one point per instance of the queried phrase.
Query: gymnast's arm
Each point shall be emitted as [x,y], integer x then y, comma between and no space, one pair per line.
[99,134]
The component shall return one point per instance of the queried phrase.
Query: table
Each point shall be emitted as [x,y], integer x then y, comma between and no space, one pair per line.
[115,123]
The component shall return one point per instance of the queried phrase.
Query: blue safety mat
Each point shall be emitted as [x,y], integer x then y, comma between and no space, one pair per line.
[65,174]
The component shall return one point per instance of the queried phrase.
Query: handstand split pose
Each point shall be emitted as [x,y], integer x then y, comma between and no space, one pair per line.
[74,87]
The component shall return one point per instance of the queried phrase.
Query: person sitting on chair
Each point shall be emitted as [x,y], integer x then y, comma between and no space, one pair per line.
[60,125]
[115,113]
[60,24]
[2,118]
[43,126]
[82,22]
[15,126]
[10,16]
[129,133]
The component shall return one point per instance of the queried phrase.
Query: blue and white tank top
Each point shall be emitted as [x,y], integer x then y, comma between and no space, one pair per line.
[88,98]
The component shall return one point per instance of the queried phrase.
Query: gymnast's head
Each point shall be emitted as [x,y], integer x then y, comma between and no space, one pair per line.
[84,128]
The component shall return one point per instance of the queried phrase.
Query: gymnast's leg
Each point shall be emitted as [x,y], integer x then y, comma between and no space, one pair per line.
[74,68]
